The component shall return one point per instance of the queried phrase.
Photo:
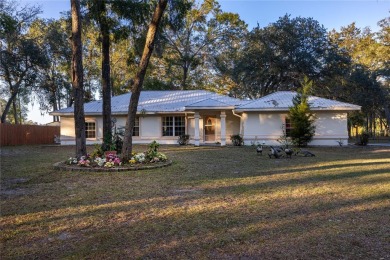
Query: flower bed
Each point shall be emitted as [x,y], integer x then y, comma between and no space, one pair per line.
[126,167]
[110,161]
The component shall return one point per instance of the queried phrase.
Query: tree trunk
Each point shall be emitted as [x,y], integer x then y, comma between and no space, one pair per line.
[53,97]
[387,113]
[185,76]
[77,80]
[106,84]
[55,107]
[7,107]
[15,111]
[139,78]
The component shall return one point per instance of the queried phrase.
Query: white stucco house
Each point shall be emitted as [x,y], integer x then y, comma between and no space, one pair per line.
[210,118]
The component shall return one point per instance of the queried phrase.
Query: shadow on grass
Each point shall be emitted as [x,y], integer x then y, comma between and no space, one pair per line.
[177,213]
[301,181]
[167,230]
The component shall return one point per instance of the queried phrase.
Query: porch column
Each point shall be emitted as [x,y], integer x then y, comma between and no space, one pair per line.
[223,128]
[197,128]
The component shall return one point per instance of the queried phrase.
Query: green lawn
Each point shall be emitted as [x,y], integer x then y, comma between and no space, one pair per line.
[212,203]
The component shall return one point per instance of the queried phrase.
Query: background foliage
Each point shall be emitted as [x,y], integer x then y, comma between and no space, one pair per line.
[199,46]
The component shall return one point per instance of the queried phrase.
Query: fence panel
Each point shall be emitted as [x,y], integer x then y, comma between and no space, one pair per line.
[27,134]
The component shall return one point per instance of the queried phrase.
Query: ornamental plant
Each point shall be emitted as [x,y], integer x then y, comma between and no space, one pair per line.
[302,119]
[112,160]
[139,157]
[152,150]
[100,161]
[84,161]
[71,160]
[109,164]
[237,140]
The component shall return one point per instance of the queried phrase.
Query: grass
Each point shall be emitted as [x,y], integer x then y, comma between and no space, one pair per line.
[212,203]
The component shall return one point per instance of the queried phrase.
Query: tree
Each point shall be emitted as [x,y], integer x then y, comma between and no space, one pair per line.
[98,11]
[191,44]
[277,56]
[302,119]
[367,81]
[53,89]
[21,56]
[111,21]
[77,80]
[138,81]
[21,112]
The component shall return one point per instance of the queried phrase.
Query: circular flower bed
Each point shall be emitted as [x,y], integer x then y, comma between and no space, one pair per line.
[125,167]
[110,161]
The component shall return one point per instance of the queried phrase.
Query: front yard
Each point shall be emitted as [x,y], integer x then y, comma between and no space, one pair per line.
[212,203]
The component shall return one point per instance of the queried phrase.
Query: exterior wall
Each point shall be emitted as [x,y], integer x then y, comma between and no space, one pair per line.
[232,126]
[68,132]
[151,128]
[262,127]
[331,127]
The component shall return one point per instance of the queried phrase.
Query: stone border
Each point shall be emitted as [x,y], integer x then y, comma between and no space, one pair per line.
[74,168]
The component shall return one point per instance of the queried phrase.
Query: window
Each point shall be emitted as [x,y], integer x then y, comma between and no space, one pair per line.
[173,126]
[90,129]
[136,127]
[288,127]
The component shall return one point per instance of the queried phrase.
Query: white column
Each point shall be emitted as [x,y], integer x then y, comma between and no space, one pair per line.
[223,128]
[197,128]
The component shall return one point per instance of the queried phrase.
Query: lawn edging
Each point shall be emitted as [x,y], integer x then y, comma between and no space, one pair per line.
[65,167]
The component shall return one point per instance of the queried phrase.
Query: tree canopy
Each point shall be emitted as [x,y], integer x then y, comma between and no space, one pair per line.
[197,46]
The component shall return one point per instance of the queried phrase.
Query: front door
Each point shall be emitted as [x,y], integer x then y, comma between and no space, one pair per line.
[209,129]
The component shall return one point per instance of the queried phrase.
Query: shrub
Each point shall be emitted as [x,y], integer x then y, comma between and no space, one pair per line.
[237,140]
[363,139]
[97,151]
[284,140]
[302,119]
[152,150]
[183,139]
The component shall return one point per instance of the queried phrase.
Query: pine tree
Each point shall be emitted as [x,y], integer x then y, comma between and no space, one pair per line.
[302,119]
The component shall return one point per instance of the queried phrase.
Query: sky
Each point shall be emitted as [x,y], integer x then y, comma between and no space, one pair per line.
[332,14]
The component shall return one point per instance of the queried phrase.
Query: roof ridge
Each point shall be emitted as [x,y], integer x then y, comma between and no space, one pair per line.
[203,100]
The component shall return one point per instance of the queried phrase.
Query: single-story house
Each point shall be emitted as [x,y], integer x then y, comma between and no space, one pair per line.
[208,117]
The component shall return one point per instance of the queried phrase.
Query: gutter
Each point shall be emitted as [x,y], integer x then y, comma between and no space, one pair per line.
[241,121]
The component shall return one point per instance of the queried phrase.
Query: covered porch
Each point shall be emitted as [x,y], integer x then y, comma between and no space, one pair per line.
[212,123]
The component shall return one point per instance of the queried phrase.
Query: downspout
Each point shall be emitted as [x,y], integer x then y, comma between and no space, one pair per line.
[241,122]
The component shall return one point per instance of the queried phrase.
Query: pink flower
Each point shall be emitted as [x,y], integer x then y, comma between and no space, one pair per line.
[117,161]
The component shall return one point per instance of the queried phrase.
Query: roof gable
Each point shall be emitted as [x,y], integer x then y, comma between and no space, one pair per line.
[283,100]
[209,104]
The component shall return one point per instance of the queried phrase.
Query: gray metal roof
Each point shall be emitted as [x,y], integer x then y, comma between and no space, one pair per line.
[157,101]
[184,100]
[282,100]
[209,104]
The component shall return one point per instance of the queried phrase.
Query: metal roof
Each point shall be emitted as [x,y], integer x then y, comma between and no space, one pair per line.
[282,100]
[157,101]
[209,104]
[184,100]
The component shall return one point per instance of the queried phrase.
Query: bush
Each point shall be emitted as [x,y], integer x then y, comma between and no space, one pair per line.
[152,150]
[116,141]
[302,119]
[97,151]
[237,140]
[363,139]
[183,139]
